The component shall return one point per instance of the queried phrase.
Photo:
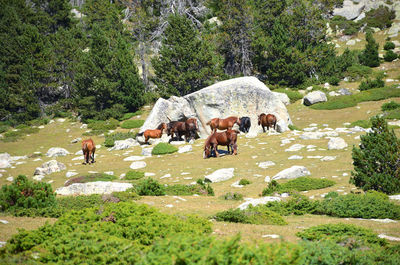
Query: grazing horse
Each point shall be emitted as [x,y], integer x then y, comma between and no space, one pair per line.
[88,149]
[156,133]
[223,124]
[245,124]
[227,138]
[191,128]
[267,120]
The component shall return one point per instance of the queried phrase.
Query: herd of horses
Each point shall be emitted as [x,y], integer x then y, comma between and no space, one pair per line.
[189,129]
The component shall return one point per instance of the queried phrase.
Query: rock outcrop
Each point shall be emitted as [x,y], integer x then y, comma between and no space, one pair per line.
[314,97]
[98,187]
[292,173]
[57,151]
[244,96]
[220,175]
[49,167]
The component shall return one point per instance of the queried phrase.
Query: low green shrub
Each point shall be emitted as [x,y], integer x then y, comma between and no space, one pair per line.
[98,125]
[24,193]
[132,124]
[390,106]
[379,18]
[244,182]
[38,122]
[4,128]
[19,133]
[349,27]
[394,114]
[298,184]
[251,215]
[134,175]
[334,81]
[163,148]
[390,56]
[292,94]
[179,189]
[150,187]
[389,46]
[128,195]
[293,127]
[343,234]
[358,71]
[206,186]
[111,138]
[232,196]
[369,84]
[297,205]
[361,123]
[90,178]
[129,115]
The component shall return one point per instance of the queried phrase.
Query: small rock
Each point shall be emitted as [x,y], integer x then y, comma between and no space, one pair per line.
[328,158]
[295,157]
[4,222]
[336,143]
[147,151]
[314,97]
[57,151]
[98,187]
[134,158]
[220,175]
[271,236]
[266,164]
[169,206]
[38,177]
[390,238]
[267,179]
[10,179]
[292,172]
[255,202]
[165,176]
[149,174]
[295,147]
[185,149]
[76,140]
[50,167]
[138,164]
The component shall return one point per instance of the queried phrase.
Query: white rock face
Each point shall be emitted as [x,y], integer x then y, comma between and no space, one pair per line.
[314,97]
[138,164]
[4,163]
[185,149]
[220,175]
[336,143]
[123,144]
[292,173]
[255,202]
[98,187]
[294,148]
[266,164]
[134,158]
[50,167]
[244,96]
[57,151]
[350,10]
[282,97]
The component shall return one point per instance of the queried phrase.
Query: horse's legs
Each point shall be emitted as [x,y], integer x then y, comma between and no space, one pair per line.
[215,150]
[228,148]
[87,157]
[93,156]
[234,149]
[263,128]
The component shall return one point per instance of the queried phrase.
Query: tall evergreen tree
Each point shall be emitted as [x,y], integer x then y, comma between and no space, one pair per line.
[370,55]
[377,160]
[186,63]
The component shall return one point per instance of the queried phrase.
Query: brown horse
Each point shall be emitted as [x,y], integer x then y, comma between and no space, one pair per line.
[223,124]
[191,128]
[156,133]
[88,149]
[176,128]
[267,120]
[227,138]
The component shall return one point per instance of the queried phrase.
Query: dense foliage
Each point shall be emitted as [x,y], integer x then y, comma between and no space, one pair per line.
[163,148]
[370,55]
[134,175]
[298,184]
[377,159]
[251,215]
[132,124]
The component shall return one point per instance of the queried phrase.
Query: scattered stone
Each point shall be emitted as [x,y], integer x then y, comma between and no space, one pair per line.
[271,236]
[169,205]
[2,244]
[266,164]
[109,173]
[292,172]
[311,129]
[351,42]
[147,151]
[328,158]
[76,140]
[294,148]
[177,142]
[390,238]
[295,157]
[312,135]
[138,164]
[236,184]
[50,167]
[345,174]
[70,174]
[57,151]
[316,157]
[38,177]
[394,197]
[149,174]
[98,187]
[314,97]
[11,179]
[4,222]
[124,144]
[165,176]
[61,120]
[267,179]
[134,158]
[344,92]
[336,143]
[255,202]
[41,127]
[83,126]
[220,175]
[185,149]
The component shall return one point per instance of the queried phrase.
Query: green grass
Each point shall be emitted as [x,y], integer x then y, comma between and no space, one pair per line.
[299,184]
[163,148]
[394,114]
[129,115]
[134,175]
[342,102]
[132,124]
[22,131]
[293,95]
[361,123]
[182,190]
[251,215]
[90,178]
[293,127]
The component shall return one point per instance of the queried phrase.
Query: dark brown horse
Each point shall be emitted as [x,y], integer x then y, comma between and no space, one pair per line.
[156,133]
[227,138]
[88,149]
[223,124]
[267,121]
[188,128]
[191,128]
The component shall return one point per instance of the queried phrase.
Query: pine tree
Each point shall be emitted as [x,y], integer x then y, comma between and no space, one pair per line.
[369,55]
[377,160]
[186,63]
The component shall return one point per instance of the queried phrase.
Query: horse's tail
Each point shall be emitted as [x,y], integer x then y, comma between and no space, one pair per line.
[140,134]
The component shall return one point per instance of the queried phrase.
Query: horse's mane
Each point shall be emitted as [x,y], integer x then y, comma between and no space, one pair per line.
[160,126]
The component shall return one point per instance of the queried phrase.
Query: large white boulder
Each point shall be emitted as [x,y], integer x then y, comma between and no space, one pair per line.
[50,167]
[314,97]
[138,165]
[282,97]
[220,175]
[255,202]
[185,149]
[98,187]
[57,151]
[123,144]
[350,10]
[336,143]
[292,173]
[5,160]
[244,96]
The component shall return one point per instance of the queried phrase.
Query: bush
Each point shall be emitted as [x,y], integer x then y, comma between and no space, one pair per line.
[390,56]
[334,81]
[90,178]
[293,127]
[369,205]
[299,184]
[21,131]
[394,114]
[150,187]
[111,138]
[23,193]
[233,196]
[4,128]
[376,160]
[104,126]
[244,182]
[358,71]
[361,123]
[369,55]
[129,115]
[131,124]
[369,84]
[389,46]
[207,187]
[292,94]
[134,175]
[343,234]
[390,106]
[349,27]
[379,18]
[179,189]
[297,205]
[163,148]
[251,215]
[128,195]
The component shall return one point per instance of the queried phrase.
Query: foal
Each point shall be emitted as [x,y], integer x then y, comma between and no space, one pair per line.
[88,149]
[156,133]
